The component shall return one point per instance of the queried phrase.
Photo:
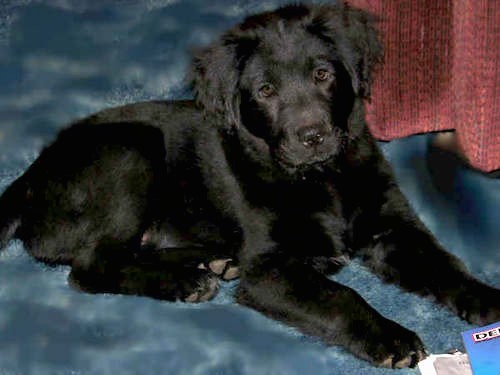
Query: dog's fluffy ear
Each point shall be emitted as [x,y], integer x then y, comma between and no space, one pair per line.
[355,38]
[214,76]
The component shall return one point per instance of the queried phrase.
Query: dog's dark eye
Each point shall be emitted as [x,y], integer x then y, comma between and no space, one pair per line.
[266,90]
[321,75]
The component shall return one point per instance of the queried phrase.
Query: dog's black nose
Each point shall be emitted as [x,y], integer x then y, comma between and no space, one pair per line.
[310,136]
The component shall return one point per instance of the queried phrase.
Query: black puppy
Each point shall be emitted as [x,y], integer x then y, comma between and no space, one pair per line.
[271,169]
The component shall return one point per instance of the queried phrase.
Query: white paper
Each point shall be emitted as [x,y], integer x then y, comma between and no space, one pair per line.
[445,364]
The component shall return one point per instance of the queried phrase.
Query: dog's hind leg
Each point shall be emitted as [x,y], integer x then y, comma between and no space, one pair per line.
[11,202]
[221,262]
[190,275]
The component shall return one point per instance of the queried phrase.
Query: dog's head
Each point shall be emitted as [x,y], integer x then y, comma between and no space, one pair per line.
[289,79]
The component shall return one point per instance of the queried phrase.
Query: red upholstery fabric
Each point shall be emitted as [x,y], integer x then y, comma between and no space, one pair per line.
[441,71]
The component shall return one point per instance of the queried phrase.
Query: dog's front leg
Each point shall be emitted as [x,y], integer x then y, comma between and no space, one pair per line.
[407,254]
[399,248]
[294,293]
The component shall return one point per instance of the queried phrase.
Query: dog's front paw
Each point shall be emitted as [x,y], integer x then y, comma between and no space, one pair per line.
[398,347]
[479,305]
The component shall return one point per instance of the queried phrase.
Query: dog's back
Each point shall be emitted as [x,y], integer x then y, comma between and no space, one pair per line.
[140,132]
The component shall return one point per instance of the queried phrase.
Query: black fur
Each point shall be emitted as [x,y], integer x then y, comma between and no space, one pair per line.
[272,168]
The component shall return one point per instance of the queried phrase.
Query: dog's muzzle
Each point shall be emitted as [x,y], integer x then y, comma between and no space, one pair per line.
[311,136]
[307,147]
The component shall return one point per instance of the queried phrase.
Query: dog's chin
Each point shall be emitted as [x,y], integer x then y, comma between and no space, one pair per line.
[301,170]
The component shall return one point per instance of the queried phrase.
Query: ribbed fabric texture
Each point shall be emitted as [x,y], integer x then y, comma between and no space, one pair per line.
[440,72]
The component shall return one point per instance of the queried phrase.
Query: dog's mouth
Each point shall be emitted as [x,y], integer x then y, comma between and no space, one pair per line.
[295,168]
[294,156]
[296,161]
